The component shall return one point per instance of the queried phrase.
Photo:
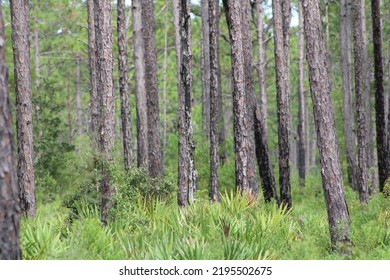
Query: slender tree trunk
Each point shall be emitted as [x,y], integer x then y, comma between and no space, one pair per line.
[381,134]
[332,180]
[124,86]
[359,46]
[141,99]
[165,76]
[243,95]
[346,66]
[105,89]
[186,163]
[79,109]
[9,209]
[301,103]
[281,46]
[20,21]
[205,66]
[153,108]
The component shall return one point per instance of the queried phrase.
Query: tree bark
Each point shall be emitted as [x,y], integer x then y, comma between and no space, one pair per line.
[124,86]
[9,209]
[37,57]
[153,109]
[105,89]
[332,180]
[205,66]
[140,92]
[281,45]
[381,133]
[359,47]
[79,109]
[186,162]
[20,21]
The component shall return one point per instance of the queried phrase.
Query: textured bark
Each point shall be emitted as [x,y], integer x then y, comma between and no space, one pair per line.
[359,47]
[153,109]
[106,93]
[176,24]
[346,71]
[140,89]
[332,180]
[205,66]
[301,103]
[186,162]
[243,96]
[215,96]
[79,109]
[124,86]
[281,45]
[20,22]
[381,133]
[94,101]
[9,210]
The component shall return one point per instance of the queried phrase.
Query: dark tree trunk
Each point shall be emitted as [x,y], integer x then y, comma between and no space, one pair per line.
[94,101]
[332,180]
[9,209]
[124,87]
[106,93]
[205,67]
[186,163]
[359,47]
[282,67]
[243,97]
[20,21]
[140,92]
[381,133]
[153,110]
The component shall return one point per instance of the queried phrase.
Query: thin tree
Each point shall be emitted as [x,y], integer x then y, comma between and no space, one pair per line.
[79,109]
[205,66]
[382,141]
[20,21]
[332,180]
[281,45]
[9,209]
[105,89]
[186,162]
[124,87]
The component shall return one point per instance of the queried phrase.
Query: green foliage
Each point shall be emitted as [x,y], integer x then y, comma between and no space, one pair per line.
[386,188]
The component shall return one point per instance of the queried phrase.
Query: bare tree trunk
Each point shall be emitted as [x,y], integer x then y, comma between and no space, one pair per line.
[346,66]
[37,57]
[332,180]
[186,162]
[165,76]
[20,21]
[124,86]
[205,66]
[104,69]
[381,134]
[9,208]
[282,67]
[141,99]
[153,109]
[79,109]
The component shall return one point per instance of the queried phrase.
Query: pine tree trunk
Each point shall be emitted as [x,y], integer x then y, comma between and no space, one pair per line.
[9,208]
[37,57]
[165,77]
[186,162]
[79,109]
[140,92]
[383,146]
[20,21]
[124,87]
[105,89]
[332,180]
[281,45]
[205,66]
[153,109]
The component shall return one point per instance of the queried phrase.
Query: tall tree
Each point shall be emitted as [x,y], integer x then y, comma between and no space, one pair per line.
[243,97]
[124,87]
[381,133]
[79,109]
[140,92]
[155,156]
[205,66]
[186,162]
[9,209]
[359,47]
[346,72]
[20,21]
[332,180]
[281,45]
[105,89]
